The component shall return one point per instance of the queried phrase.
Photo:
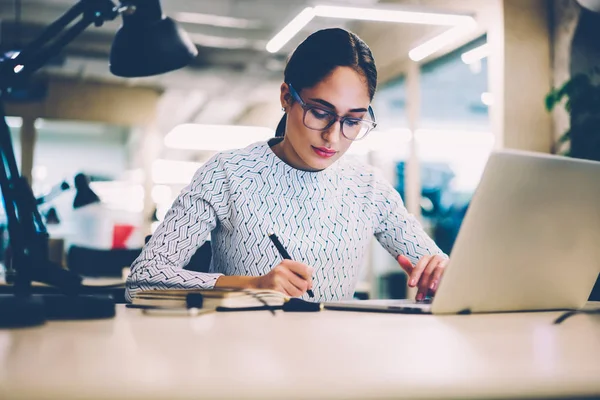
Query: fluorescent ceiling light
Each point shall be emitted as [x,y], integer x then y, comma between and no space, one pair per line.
[224,42]
[290,30]
[169,172]
[215,137]
[461,25]
[383,15]
[478,53]
[437,43]
[216,20]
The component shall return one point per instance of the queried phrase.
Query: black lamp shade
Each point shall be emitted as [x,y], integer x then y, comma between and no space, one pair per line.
[144,47]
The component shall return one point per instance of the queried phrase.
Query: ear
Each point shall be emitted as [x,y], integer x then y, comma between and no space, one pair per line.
[285,96]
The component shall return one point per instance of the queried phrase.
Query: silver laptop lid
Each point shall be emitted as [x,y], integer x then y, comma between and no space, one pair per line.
[530,239]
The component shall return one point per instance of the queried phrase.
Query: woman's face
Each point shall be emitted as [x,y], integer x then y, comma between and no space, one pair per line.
[343,92]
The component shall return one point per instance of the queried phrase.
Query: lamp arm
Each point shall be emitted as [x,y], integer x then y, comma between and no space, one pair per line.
[37,53]
[28,236]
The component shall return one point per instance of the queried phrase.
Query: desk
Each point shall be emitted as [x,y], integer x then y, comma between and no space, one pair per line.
[93,287]
[332,354]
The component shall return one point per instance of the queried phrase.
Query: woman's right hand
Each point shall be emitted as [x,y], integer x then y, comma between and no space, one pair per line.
[290,277]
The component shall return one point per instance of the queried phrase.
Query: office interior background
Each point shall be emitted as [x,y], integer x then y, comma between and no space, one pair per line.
[451,90]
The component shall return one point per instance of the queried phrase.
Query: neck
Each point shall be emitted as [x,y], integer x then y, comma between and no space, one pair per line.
[285,151]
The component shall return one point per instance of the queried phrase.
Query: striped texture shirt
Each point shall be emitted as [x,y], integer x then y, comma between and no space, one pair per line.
[325,219]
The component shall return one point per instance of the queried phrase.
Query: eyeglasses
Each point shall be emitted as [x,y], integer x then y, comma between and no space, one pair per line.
[320,119]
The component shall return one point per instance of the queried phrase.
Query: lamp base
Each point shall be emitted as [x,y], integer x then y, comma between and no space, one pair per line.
[26,311]
[21,311]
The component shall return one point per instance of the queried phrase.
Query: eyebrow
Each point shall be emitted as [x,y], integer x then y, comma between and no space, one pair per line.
[329,105]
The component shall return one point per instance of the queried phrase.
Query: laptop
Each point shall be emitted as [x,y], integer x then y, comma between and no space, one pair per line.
[530,240]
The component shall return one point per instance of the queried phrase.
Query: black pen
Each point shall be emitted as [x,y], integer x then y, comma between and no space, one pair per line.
[285,255]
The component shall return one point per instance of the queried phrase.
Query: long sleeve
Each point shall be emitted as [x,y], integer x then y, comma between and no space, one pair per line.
[198,209]
[398,231]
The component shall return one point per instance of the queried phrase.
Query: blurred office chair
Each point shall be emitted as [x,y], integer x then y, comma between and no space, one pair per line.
[392,285]
[200,261]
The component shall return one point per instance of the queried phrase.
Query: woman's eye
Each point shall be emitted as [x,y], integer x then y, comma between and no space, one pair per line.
[319,113]
[352,122]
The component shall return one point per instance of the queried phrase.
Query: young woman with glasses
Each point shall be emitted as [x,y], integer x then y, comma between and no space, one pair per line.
[324,208]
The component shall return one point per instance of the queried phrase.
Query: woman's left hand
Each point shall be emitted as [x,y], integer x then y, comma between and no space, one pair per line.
[425,275]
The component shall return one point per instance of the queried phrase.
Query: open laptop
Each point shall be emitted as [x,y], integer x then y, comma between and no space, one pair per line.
[530,240]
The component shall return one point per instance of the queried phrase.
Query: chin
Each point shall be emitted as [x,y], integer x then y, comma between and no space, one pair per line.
[319,163]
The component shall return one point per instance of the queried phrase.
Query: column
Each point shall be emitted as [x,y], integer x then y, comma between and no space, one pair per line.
[146,144]
[28,137]
[520,75]
[412,172]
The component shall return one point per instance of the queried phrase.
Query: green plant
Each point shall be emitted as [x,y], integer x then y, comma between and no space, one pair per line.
[582,95]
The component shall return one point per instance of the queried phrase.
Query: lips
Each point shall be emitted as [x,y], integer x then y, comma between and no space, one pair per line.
[324,152]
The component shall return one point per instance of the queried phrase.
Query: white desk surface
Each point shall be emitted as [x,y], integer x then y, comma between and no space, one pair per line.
[331,354]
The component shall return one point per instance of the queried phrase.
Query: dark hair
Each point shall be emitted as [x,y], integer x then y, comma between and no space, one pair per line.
[320,53]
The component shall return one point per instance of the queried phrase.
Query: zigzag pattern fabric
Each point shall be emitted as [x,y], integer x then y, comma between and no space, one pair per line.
[325,219]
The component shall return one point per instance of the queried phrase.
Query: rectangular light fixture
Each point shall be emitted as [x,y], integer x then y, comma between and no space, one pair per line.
[383,15]
[221,41]
[437,43]
[217,20]
[476,54]
[460,25]
[290,30]
[215,137]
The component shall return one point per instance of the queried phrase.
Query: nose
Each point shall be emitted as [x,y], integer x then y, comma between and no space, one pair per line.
[333,134]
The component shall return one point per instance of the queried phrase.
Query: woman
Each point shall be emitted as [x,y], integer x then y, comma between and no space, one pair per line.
[323,207]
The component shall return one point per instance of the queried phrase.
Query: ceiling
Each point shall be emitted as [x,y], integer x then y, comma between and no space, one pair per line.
[233,79]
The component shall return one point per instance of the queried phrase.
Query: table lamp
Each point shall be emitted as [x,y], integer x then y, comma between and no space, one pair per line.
[147,43]
[84,195]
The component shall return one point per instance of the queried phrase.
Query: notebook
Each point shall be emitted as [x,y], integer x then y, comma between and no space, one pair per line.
[221,299]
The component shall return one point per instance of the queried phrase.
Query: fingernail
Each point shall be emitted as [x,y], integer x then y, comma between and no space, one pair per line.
[419,296]
[412,282]
[433,285]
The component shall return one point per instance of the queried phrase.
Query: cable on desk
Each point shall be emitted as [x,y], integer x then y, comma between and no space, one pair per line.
[569,314]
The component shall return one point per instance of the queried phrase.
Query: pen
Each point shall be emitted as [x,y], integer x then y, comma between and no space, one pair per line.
[285,255]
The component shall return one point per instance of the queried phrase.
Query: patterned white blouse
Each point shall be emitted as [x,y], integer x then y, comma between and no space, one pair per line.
[324,219]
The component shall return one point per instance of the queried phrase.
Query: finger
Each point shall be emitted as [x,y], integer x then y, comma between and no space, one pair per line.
[417,271]
[425,281]
[405,263]
[289,288]
[299,283]
[303,270]
[437,275]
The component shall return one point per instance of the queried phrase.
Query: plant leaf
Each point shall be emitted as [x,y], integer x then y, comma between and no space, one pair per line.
[551,100]
[565,137]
